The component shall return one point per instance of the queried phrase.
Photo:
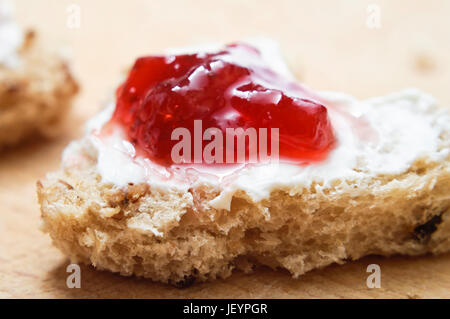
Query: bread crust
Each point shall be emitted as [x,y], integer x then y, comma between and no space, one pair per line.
[34,97]
[179,238]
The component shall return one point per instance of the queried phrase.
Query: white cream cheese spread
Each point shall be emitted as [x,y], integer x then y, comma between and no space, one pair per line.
[11,36]
[383,135]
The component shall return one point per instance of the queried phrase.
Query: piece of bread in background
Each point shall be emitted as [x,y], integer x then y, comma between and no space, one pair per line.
[36,86]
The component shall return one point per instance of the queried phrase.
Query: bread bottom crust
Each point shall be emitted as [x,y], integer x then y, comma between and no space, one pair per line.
[178,238]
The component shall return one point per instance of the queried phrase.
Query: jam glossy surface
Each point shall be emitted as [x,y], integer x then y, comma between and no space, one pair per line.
[228,89]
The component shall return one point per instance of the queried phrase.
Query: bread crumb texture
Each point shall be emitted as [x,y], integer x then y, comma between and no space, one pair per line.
[179,238]
[35,96]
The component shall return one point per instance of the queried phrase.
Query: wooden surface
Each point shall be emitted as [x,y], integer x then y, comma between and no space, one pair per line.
[328,45]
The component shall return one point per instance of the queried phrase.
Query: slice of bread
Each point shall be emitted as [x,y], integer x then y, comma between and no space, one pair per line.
[178,237]
[34,96]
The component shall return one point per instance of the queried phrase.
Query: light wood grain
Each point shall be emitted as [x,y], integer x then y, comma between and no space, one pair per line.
[328,45]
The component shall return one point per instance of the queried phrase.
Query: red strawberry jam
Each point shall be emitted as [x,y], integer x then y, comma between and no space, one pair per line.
[233,88]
